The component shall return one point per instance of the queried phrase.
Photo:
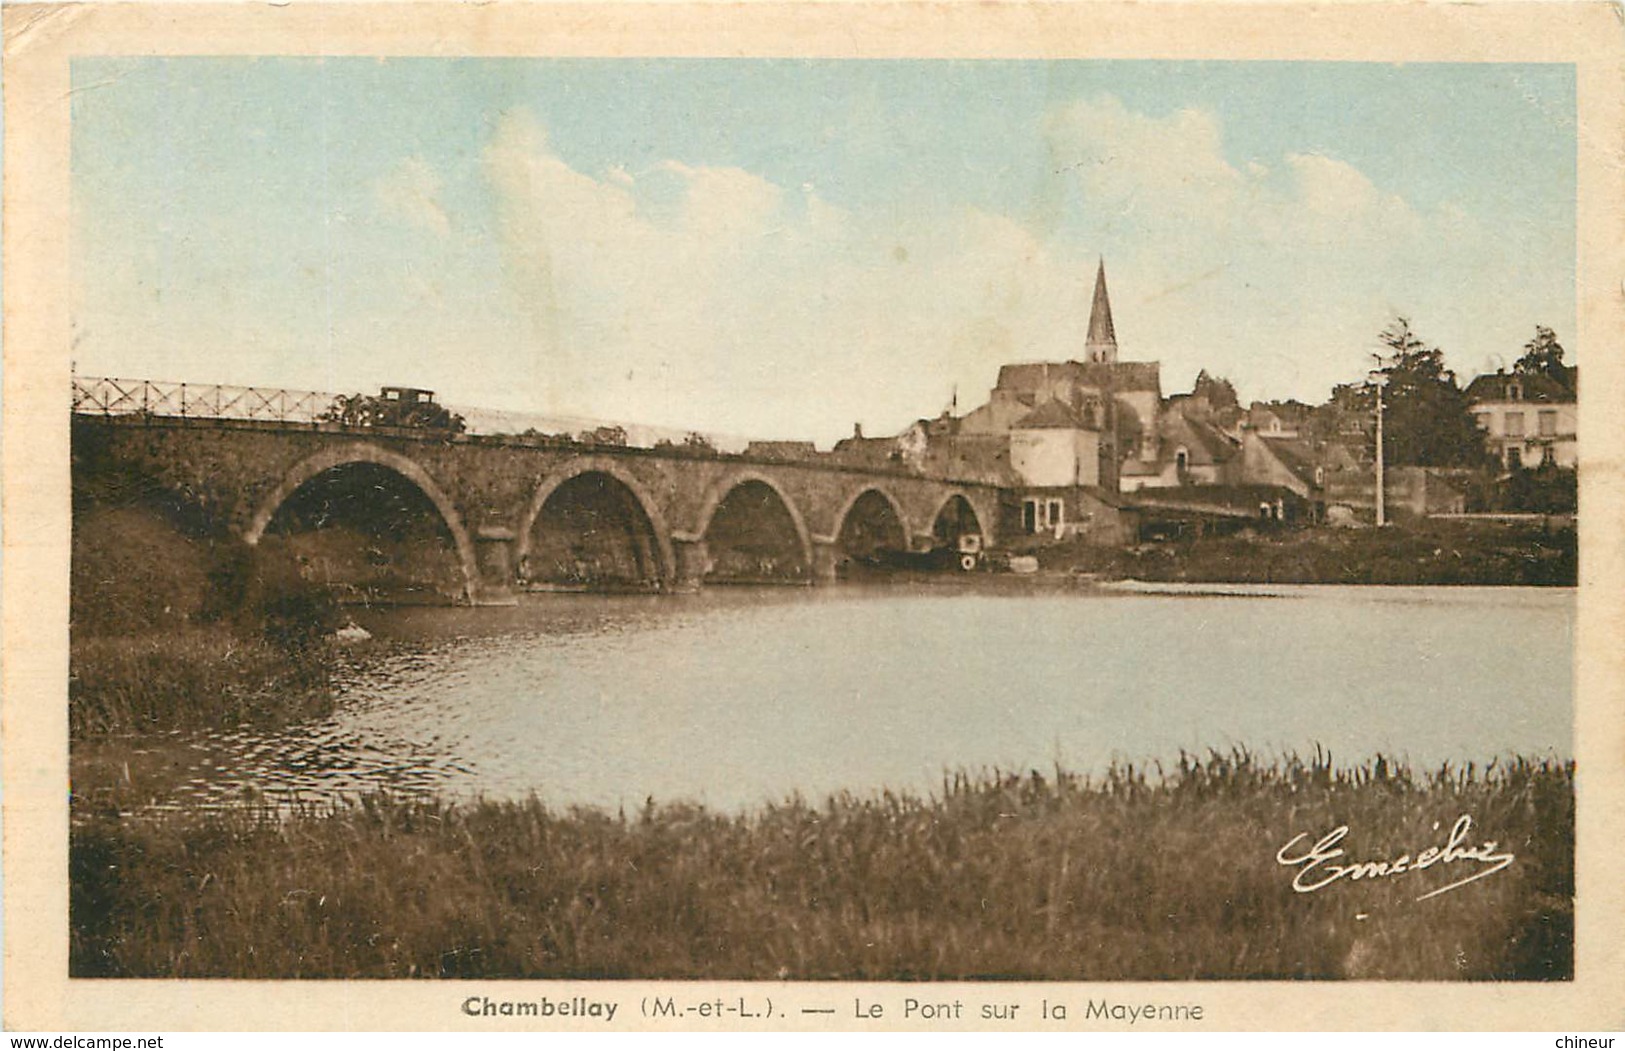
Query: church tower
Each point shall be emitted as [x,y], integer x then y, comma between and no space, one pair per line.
[1102,342]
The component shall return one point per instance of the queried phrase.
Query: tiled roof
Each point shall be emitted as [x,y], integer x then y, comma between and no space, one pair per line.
[1123,375]
[1030,376]
[1339,454]
[1203,442]
[1494,387]
[1295,455]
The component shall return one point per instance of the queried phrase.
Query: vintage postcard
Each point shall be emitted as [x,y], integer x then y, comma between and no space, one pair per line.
[830,516]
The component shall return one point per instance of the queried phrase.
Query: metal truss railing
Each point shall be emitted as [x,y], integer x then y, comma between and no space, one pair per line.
[99,396]
[209,401]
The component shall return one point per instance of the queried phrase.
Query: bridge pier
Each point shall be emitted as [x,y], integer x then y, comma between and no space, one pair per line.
[826,556]
[693,562]
[493,553]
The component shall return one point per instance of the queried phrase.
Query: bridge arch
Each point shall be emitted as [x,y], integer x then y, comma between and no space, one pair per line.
[719,494]
[724,487]
[951,515]
[365,452]
[859,494]
[579,466]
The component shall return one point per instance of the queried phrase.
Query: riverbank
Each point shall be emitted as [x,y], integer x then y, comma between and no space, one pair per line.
[1428,552]
[1132,876]
[200,678]
[171,631]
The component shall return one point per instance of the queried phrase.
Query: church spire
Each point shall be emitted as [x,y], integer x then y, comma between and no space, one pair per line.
[1102,342]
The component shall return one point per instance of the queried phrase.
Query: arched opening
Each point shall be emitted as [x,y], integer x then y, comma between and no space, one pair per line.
[369,533]
[956,535]
[956,519]
[872,532]
[591,533]
[752,538]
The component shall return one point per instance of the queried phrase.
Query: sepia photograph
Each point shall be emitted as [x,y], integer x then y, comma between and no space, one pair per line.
[788,519]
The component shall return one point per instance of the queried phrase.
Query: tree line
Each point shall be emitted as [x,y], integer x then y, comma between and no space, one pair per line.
[1427,418]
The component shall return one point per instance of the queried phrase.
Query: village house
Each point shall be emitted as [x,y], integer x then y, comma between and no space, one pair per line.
[1075,441]
[1275,419]
[1054,434]
[1191,450]
[934,447]
[1082,445]
[1529,420]
[1292,463]
[1058,455]
[1066,430]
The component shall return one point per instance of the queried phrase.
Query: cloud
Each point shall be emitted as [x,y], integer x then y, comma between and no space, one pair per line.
[726,296]
[704,293]
[1275,271]
[1126,163]
[411,191]
[711,296]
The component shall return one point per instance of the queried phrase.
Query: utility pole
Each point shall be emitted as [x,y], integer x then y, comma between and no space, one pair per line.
[1380,379]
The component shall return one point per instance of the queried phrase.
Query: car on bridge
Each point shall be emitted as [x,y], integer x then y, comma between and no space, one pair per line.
[410,407]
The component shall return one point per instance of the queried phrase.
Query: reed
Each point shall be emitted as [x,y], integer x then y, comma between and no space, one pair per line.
[192,678]
[1135,875]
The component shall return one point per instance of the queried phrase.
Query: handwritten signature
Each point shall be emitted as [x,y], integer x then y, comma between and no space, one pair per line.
[1318,866]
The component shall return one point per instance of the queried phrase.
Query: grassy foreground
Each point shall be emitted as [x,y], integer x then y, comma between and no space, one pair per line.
[192,678]
[1125,877]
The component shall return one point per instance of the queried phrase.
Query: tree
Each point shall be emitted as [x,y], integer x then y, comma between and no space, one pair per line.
[370,410]
[1426,418]
[609,434]
[1547,490]
[1220,393]
[1543,356]
[349,410]
[693,444]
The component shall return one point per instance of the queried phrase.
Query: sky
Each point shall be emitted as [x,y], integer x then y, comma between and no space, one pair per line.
[782,248]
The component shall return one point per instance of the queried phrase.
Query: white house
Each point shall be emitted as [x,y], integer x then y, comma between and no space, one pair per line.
[1528,420]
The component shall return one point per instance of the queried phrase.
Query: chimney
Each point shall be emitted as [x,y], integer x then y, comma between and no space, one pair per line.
[857,430]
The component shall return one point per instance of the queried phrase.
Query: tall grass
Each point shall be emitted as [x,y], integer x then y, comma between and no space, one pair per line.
[194,678]
[1132,876]
[177,632]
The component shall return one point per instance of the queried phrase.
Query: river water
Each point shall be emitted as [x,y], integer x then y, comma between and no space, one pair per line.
[734,696]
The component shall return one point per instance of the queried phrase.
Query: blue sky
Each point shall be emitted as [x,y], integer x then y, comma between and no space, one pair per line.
[781,248]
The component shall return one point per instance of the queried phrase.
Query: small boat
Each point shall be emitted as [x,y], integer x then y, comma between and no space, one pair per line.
[352,632]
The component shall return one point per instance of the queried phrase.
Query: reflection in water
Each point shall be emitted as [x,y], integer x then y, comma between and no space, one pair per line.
[736,697]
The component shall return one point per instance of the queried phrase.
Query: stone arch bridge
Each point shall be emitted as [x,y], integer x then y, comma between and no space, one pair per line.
[524,511]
